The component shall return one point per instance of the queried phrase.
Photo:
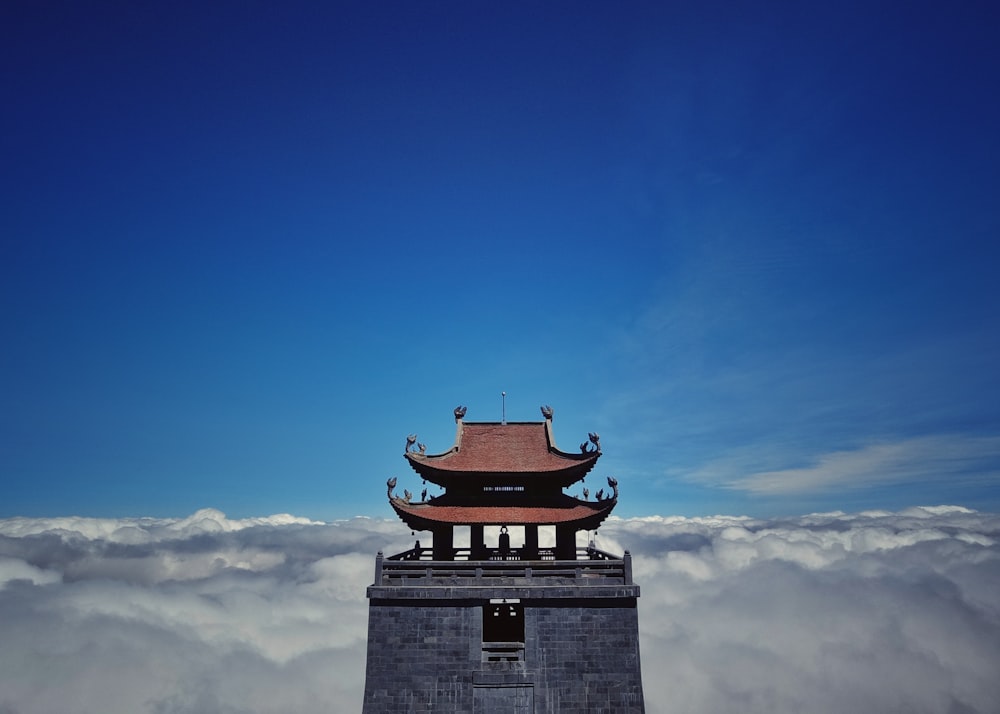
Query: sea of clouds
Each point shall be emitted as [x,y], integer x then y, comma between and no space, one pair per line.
[834,612]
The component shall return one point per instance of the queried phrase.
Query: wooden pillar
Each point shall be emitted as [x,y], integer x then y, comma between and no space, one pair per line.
[565,543]
[530,551]
[477,543]
[443,547]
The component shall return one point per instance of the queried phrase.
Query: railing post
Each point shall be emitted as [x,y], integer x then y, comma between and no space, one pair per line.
[378,569]
[627,558]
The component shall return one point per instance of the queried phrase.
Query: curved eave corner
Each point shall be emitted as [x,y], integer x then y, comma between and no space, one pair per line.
[550,439]
[417,459]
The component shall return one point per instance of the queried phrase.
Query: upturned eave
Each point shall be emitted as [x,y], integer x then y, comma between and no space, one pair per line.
[567,511]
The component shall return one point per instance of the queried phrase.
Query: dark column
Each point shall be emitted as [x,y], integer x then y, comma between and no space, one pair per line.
[477,544]
[565,543]
[443,548]
[530,551]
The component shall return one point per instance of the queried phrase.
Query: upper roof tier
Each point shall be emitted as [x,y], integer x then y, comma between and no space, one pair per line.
[512,452]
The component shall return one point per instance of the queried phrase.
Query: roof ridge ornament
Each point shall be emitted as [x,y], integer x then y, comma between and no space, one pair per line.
[547,412]
[595,439]
[412,445]
[460,412]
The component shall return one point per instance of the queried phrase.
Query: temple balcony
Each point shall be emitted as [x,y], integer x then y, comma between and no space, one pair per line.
[415,567]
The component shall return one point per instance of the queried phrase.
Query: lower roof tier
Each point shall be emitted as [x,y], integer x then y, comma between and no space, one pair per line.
[568,511]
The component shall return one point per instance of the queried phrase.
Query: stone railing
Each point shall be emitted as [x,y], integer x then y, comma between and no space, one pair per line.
[592,567]
[496,554]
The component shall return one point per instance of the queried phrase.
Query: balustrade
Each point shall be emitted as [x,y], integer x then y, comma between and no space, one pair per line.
[415,566]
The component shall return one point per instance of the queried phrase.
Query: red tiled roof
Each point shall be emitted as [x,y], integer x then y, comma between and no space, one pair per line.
[586,514]
[520,448]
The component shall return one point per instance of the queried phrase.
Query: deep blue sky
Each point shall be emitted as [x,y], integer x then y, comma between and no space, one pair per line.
[247,248]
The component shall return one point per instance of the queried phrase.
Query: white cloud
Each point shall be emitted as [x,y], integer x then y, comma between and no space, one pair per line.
[828,612]
[916,460]
[143,530]
[12,569]
[823,613]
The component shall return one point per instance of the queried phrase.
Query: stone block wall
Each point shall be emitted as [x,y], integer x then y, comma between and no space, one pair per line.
[421,656]
[585,655]
[581,652]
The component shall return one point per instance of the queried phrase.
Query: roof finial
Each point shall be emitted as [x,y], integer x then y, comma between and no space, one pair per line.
[503,407]
[547,412]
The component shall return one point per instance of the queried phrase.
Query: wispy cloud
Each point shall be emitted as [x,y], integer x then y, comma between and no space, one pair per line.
[956,458]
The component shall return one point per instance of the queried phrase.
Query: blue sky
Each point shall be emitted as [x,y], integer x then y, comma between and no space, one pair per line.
[245,249]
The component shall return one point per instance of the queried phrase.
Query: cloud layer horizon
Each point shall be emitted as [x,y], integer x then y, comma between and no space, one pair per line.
[874,611]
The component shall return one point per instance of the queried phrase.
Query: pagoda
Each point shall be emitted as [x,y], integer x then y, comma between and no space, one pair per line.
[495,626]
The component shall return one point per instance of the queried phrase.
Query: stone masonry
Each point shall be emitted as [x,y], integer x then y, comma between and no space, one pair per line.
[580,648]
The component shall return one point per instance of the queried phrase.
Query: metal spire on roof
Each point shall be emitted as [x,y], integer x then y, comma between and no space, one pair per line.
[503,407]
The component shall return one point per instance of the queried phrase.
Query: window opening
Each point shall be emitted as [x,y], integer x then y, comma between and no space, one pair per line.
[503,631]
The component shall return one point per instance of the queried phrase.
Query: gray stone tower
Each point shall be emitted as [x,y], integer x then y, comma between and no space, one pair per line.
[495,628]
